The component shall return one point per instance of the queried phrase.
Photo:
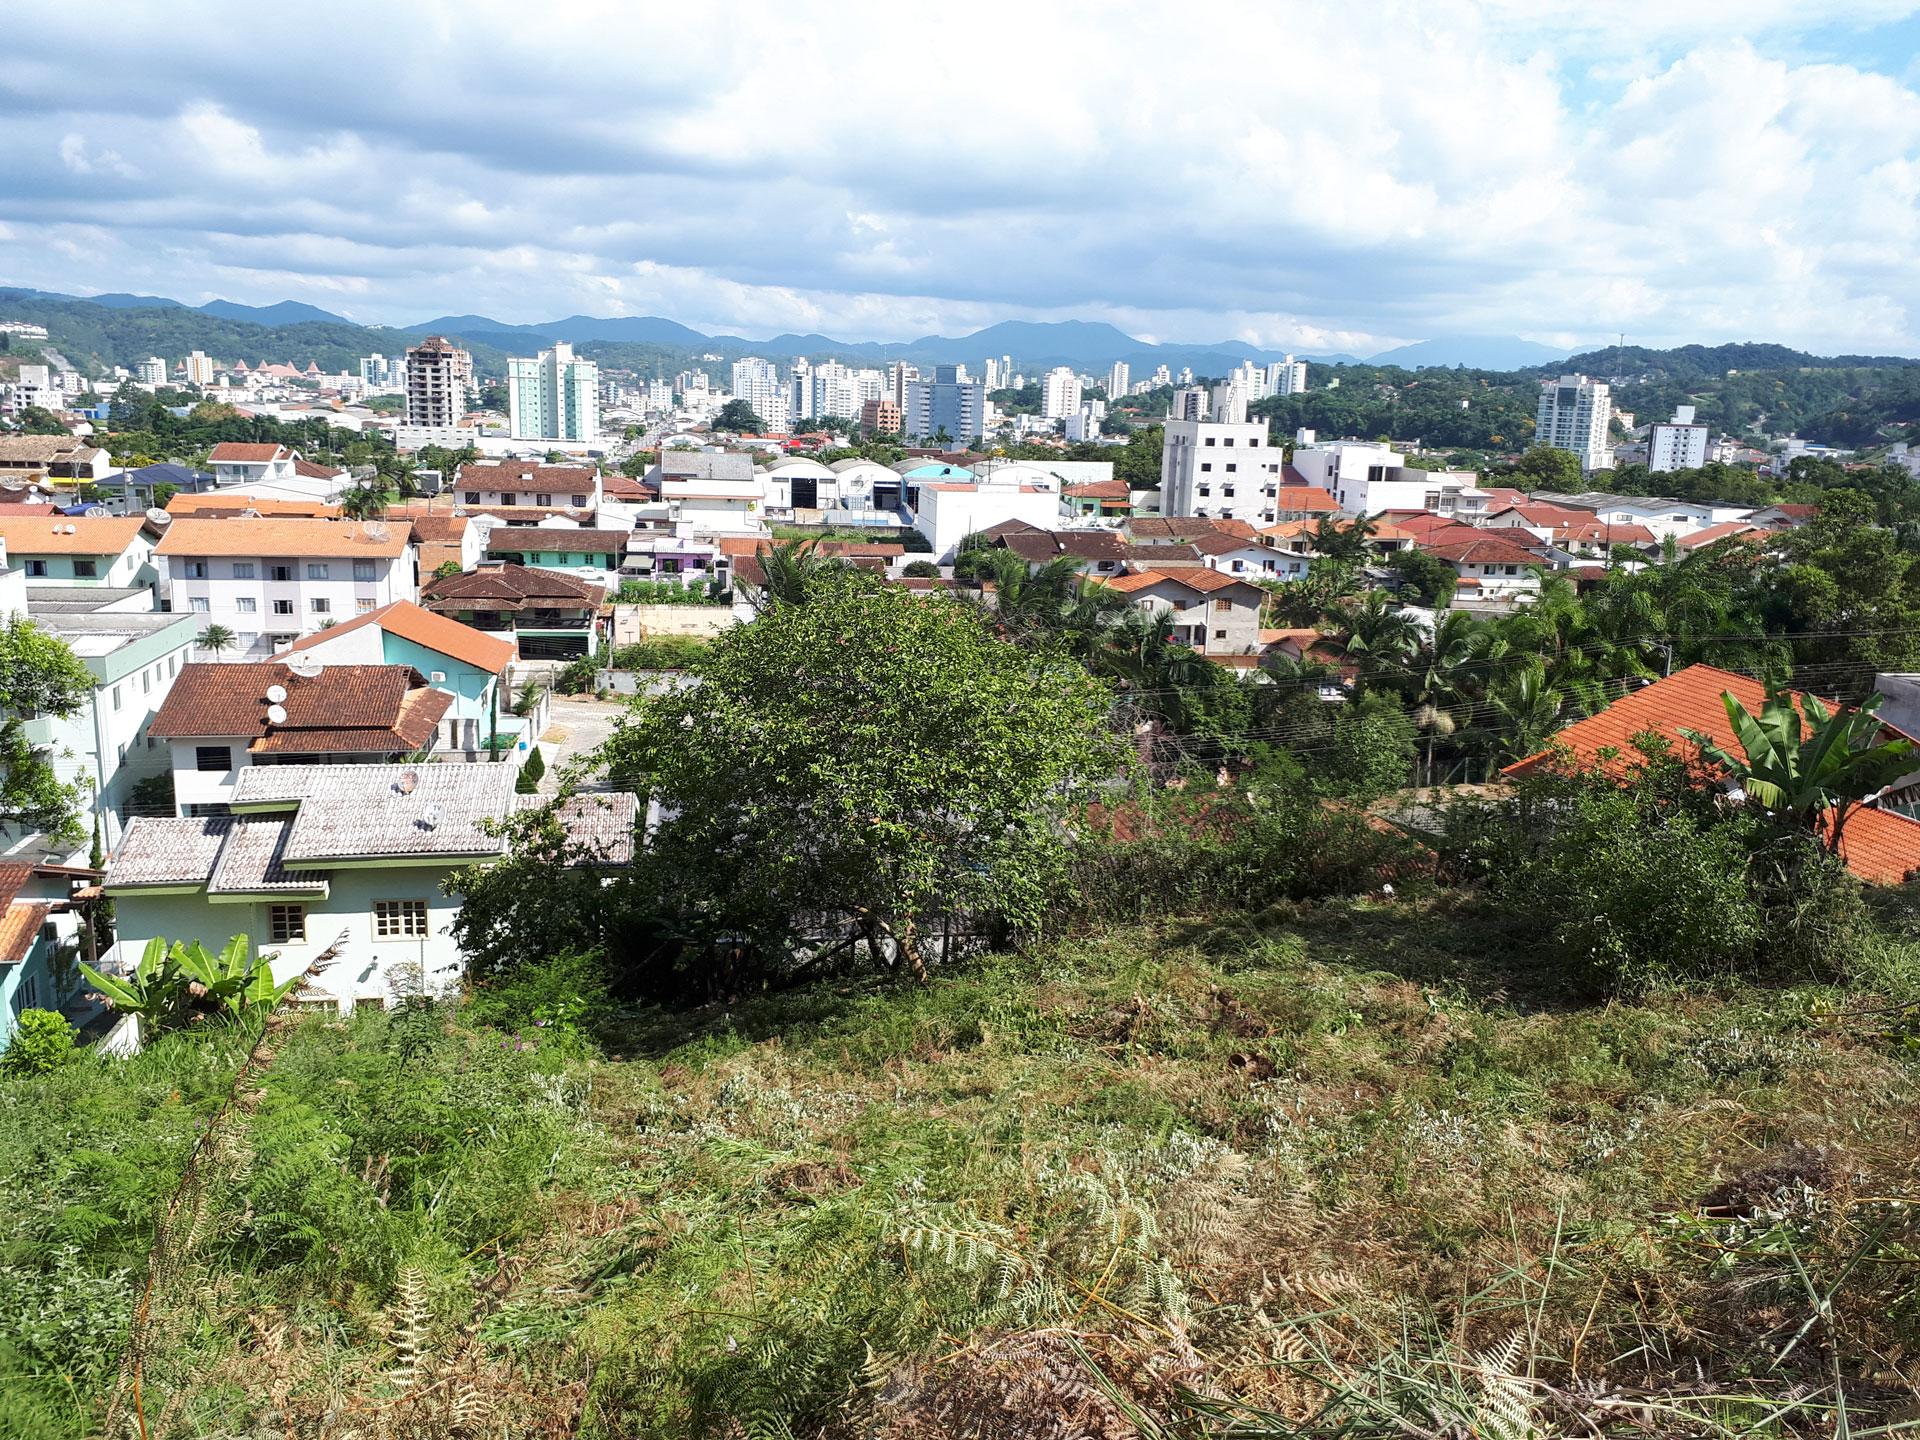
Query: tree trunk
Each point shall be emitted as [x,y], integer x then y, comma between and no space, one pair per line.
[910,950]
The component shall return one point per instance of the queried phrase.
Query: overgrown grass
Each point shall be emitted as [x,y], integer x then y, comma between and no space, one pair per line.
[1333,1170]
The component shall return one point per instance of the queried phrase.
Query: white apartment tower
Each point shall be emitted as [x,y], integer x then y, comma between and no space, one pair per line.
[1117,380]
[1189,404]
[1573,416]
[758,382]
[1286,377]
[151,372]
[199,369]
[1677,444]
[553,397]
[1219,471]
[439,379]
[1060,393]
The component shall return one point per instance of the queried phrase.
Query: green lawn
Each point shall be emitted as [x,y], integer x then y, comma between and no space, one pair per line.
[1344,1155]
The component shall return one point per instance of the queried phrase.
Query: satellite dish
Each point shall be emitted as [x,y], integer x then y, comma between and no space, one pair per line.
[73,529]
[409,780]
[305,665]
[158,516]
[277,714]
[250,514]
[375,530]
[431,818]
[276,694]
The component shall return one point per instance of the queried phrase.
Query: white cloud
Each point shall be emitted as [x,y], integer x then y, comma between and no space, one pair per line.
[1303,175]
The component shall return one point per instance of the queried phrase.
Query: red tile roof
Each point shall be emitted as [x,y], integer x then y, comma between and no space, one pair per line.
[1713,534]
[1485,547]
[524,475]
[432,632]
[295,538]
[1100,490]
[1877,845]
[511,587]
[343,709]
[317,472]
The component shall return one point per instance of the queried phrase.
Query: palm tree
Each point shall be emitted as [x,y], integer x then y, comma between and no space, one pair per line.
[1376,633]
[1523,710]
[1029,600]
[1796,773]
[368,500]
[1344,541]
[217,638]
[792,569]
[1441,676]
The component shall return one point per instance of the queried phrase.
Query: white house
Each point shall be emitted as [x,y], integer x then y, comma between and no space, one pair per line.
[343,867]
[947,511]
[271,580]
[714,507]
[524,483]
[220,720]
[112,552]
[235,463]
[106,748]
[1216,614]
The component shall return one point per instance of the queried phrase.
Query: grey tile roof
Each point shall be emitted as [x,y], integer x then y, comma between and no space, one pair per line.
[352,811]
[165,851]
[603,824]
[254,859]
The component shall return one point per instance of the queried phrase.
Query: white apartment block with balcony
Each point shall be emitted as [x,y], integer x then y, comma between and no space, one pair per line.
[1677,444]
[1218,471]
[1573,415]
[271,580]
[553,396]
[1367,479]
[1060,393]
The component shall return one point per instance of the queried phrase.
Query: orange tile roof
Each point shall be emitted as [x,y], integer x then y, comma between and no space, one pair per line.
[47,535]
[20,926]
[1877,845]
[274,535]
[233,452]
[1725,530]
[213,500]
[1100,490]
[1303,498]
[1200,579]
[433,632]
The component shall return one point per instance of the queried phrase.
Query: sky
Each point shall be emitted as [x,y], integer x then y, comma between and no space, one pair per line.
[1287,173]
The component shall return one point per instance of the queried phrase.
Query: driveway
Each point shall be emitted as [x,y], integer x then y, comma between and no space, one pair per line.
[580,723]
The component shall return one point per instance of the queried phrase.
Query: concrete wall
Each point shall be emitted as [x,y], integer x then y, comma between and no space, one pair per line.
[640,622]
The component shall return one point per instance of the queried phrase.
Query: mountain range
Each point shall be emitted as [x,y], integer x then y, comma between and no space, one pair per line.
[1084,344]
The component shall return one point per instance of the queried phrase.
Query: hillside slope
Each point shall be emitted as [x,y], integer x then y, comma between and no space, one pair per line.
[1044,1195]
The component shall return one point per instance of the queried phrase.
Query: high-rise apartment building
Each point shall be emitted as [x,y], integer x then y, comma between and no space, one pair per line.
[758,382]
[899,376]
[1060,393]
[1117,379]
[1677,444]
[151,372]
[1573,416]
[836,391]
[947,403]
[553,396]
[439,379]
[378,372]
[880,417]
[199,369]
[1219,471]
[1286,377]
[1161,376]
[1230,402]
[1189,404]
[993,374]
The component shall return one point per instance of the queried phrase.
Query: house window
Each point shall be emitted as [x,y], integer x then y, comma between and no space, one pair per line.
[246,605]
[212,759]
[473,497]
[243,569]
[363,570]
[1219,634]
[543,499]
[196,569]
[85,569]
[364,604]
[116,697]
[1206,465]
[316,569]
[1227,441]
[1209,439]
[399,919]
[1223,605]
[198,603]
[280,572]
[320,606]
[286,923]
[1231,467]
[283,607]
[36,567]
[580,500]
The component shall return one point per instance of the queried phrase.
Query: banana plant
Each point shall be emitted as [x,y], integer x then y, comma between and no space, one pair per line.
[172,980]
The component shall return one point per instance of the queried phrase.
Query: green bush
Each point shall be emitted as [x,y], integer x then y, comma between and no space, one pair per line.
[578,676]
[921,570]
[660,652]
[528,782]
[42,1041]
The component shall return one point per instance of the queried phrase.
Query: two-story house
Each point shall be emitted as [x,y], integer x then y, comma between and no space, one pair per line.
[237,463]
[113,552]
[473,667]
[548,616]
[523,483]
[346,869]
[271,580]
[221,720]
[1213,612]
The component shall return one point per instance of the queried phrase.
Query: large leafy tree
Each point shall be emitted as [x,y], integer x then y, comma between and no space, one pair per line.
[39,676]
[859,768]
[738,417]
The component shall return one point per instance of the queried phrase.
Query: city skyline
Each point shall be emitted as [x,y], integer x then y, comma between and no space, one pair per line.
[1285,177]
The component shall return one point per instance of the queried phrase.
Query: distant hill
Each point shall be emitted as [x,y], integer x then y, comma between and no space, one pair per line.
[1705,362]
[1475,352]
[287,312]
